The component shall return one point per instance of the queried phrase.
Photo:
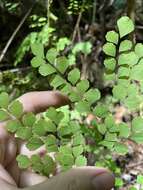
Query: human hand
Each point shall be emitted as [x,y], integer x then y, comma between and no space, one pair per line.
[12,178]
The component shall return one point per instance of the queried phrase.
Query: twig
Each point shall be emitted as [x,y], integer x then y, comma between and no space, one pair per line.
[94,11]
[76,26]
[15,32]
[135,165]
[131,4]
[17,70]
[131,9]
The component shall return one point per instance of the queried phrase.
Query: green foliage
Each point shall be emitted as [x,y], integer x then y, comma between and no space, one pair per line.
[127,68]
[66,131]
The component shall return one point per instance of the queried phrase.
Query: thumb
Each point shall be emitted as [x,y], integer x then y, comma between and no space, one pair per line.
[79,179]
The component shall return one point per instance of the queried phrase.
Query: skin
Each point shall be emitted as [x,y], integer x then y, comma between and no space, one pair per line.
[12,178]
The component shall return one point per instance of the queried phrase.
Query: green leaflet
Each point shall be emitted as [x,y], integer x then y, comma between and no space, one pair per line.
[137,124]
[109,49]
[139,49]
[74,76]
[34,143]
[112,36]
[128,59]
[124,130]
[16,108]
[83,107]
[110,64]
[101,110]
[140,179]
[81,161]
[77,150]
[62,64]
[121,148]
[83,86]
[13,125]
[57,81]
[24,133]
[125,45]
[38,49]
[125,26]
[23,161]
[62,43]
[46,69]
[137,72]
[84,47]
[4,115]
[4,100]
[37,61]
[119,92]
[51,55]
[92,95]
[29,119]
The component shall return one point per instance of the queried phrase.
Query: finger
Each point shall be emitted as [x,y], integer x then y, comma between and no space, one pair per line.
[40,101]
[79,179]
[4,175]
[28,178]
[4,185]
[22,149]
[14,171]
[7,146]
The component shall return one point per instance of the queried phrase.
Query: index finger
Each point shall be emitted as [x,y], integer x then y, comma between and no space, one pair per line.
[40,101]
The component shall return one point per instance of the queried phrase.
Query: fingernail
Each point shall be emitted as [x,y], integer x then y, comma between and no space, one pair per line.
[104,181]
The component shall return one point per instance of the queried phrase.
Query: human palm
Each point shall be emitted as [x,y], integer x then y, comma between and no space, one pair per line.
[12,178]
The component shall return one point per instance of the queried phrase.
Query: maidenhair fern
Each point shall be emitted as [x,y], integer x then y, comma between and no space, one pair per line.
[65,131]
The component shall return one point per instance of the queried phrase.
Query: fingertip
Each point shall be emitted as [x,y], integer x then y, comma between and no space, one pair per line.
[94,178]
[104,181]
[41,100]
